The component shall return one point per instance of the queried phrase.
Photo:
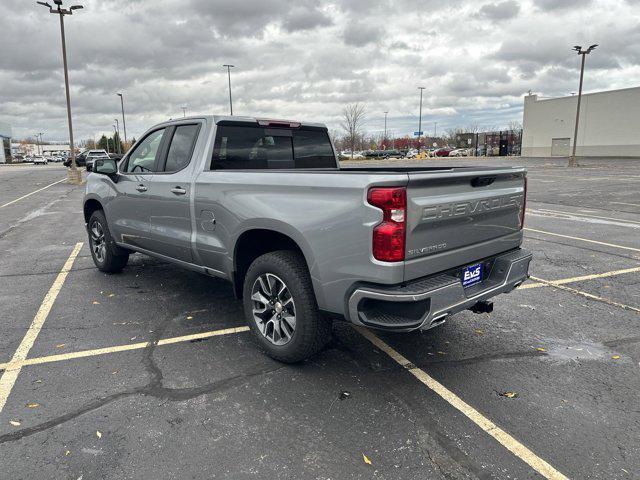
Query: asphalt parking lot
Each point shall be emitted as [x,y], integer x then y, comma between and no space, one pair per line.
[152,374]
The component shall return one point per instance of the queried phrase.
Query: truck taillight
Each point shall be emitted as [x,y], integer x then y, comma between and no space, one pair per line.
[389,235]
[524,204]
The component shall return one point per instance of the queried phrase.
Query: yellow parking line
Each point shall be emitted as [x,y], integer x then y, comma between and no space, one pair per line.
[583,239]
[587,295]
[9,377]
[28,194]
[119,348]
[505,439]
[583,278]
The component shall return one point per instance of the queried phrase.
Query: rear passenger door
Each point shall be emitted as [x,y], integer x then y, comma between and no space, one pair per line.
[170,194]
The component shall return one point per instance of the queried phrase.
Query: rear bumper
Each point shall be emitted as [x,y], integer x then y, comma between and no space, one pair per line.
[426,302]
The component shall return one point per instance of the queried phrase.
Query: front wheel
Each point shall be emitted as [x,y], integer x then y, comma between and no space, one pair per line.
[107,256]
[281,309]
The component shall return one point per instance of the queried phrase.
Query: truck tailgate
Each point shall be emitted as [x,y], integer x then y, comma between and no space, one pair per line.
[460,216]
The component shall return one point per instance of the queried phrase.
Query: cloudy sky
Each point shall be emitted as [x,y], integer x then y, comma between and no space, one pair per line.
[306,59]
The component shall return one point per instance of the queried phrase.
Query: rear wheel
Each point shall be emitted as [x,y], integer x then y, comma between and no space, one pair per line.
[281,309]
[107,256]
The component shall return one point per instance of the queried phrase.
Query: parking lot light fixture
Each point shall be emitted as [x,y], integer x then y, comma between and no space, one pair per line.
[124,123]
[74,175]
[229,67]
[420,119]
[118,132]
[584,53]
[385,126]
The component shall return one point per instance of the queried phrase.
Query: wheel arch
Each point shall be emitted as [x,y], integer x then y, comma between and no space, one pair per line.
[257,241]
[90,206]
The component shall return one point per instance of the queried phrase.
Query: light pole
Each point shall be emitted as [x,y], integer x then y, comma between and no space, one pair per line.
[184,110]
[38,135]
[435,129]
[584,53]
[229,67]
[118,132]
[385,126]
[115,148]
[74,174]
[124,123]
[420,119]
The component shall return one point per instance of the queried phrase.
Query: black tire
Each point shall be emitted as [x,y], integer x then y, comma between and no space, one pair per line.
[108,257]
[312,330]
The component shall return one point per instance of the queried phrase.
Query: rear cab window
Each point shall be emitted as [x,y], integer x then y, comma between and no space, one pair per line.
[256,147]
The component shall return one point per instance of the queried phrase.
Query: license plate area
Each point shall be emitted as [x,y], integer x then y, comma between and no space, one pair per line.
[472,275]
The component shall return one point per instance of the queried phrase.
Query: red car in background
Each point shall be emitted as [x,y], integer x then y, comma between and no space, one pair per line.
[442,152]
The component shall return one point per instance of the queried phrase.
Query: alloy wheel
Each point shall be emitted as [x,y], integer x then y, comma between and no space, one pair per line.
[274,310]
[98,245]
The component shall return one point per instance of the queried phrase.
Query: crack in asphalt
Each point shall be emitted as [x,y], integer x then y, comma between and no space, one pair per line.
[154,388]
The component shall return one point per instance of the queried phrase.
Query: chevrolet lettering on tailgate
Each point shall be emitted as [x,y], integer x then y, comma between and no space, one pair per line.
[461,209]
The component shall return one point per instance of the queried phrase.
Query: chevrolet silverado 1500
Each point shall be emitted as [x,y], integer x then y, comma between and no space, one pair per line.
[265,205]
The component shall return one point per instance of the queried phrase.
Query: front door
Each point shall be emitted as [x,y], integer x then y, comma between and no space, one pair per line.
[130,210]
[170,194]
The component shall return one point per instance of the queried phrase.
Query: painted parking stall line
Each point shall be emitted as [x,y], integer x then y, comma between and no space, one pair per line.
[9,377]
[582,278]
[31,193]
[120,348]
[505,439]
[613,245]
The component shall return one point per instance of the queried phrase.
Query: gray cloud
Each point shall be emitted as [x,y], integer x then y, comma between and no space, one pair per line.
[548,5]
[305,59]
[500,11]
[359,34]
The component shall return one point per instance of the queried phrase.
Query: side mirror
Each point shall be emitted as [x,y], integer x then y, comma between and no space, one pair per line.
[104,166]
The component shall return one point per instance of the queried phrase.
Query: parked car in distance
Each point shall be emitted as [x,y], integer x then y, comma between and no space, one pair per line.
[459,152]
[265,205]
[39,160]
[442,152]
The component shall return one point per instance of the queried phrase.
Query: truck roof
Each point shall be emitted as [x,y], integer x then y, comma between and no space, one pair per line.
[243,119]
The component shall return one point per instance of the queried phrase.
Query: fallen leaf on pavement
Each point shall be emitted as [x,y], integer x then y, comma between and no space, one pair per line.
[478,331]
[98,434]
[60,345]
[509,394]
[189,317]
[67,453]
[33,405]
[95,302]
[540,349]
[111,295]
[366,459]
[15,423]
[616,357]
[442,353]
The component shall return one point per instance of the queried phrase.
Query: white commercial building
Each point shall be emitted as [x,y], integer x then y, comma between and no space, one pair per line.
[609,125]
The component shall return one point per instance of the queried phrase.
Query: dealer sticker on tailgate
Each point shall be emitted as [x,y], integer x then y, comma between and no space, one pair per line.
[472,275]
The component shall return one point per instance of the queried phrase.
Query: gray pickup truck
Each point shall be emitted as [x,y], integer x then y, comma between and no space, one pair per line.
[265,205]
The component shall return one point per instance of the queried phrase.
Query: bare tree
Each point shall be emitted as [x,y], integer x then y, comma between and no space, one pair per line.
[514,125]
[353,116]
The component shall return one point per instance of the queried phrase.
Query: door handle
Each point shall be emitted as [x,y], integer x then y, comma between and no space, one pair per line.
[178,190]
[141,188]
